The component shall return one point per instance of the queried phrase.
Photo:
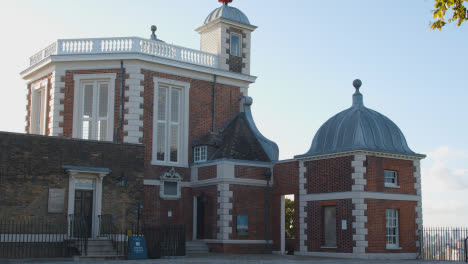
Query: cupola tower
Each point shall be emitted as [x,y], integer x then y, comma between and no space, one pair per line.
[226,32]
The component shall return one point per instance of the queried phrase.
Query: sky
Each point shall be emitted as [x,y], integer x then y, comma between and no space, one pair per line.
[306,54]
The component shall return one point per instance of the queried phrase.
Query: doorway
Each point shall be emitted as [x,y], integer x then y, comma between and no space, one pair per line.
[200,217]
[84,208]
[287,224]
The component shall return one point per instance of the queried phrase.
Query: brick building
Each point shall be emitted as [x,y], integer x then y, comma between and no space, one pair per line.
[197,157]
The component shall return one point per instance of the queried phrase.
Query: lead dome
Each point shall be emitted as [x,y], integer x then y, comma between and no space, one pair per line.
[227,12]
[359,128]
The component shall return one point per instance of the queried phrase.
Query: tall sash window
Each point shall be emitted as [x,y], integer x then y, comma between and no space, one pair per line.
[94,114]
[168,123]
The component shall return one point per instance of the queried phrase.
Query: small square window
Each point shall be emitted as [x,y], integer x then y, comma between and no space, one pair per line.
[235,45]
[170,188]
[200,153]
[390,178]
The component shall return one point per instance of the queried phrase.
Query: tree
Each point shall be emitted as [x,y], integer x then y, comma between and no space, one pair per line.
[289,215]
[459,15]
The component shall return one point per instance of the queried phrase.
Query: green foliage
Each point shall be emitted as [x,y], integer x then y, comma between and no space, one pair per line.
[289,215]
[459,15]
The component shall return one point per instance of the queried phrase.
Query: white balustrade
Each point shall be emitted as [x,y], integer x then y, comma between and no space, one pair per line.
[126,45]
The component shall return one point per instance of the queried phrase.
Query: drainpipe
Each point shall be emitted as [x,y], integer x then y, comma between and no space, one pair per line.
[213,115]
[117,137]
[267,173]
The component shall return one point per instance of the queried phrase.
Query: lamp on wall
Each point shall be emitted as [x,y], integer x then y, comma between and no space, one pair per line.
[123,180]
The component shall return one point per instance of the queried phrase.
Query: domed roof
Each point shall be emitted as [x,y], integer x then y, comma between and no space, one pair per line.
[228,12]
[359,128]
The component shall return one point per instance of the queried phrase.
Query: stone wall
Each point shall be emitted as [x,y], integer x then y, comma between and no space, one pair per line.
[31,164]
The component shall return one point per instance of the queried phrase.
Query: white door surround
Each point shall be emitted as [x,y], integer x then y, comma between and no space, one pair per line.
[86,173]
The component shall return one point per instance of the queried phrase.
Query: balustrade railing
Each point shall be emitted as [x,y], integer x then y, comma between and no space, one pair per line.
[126,45]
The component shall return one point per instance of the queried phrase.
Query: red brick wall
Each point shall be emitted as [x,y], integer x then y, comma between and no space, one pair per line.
[249,201]
[329,175]
[155,209]
[315,236]
[376,225]
[200,106]
[29,103]
[285,182]
[70,94]
[208,172]
[375,175]
[249,172]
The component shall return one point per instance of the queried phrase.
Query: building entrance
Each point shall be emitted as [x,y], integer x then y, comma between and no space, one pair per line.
[84,208]
[200,218]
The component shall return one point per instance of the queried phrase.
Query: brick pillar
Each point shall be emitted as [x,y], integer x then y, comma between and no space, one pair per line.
[359,205]
[133,110]
[224,222]
[302,206]
[418,208]
[56,105]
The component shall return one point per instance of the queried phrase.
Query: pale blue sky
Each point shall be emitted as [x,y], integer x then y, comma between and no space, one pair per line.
[306,55]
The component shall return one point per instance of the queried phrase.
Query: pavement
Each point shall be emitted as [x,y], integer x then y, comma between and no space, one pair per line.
[234,259]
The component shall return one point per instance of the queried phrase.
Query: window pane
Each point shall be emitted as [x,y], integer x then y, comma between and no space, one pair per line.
[235,45]
[161,141]
[162,103]
[88,101]
[102,128]
[329,221]
[103,98]
[170,188]
[175,95]
[174,142]
[87,127]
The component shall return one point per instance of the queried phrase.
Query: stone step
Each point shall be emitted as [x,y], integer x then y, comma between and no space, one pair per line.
[196,248]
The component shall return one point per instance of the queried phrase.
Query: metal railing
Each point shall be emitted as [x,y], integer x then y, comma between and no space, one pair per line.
[126,45]
[119,237]
[164,241]
[444,243]
[34,237]
[79,233]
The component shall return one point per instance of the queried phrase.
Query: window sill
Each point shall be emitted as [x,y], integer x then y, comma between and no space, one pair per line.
[393,248]
[169,164]
[388,185]
[325,247]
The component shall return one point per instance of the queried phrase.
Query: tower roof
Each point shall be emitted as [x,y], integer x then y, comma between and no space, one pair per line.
[228,12]
[359,128]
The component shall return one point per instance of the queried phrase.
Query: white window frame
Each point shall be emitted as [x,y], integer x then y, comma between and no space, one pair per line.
[240,44]
[171,176]
[79,80]
[42,113]
[182,160]
[392,222]
[200,154]
[395,178]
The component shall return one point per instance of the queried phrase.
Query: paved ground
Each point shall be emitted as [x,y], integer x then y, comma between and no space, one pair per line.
[238,259]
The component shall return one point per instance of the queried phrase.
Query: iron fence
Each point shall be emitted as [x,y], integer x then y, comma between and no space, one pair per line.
[35,237]
[444,243]
[78,233]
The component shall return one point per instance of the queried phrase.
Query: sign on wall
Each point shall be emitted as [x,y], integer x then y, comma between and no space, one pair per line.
[56,202]
[242,225]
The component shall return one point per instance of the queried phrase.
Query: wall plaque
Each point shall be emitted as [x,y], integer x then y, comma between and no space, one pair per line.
[242,225]
[56,200]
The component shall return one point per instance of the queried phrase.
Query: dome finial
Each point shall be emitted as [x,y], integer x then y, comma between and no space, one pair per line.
[153,34]
[225,2]
[357,96]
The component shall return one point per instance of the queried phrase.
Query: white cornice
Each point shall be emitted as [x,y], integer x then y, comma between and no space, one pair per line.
[359,195]
[141,57]
[360,152]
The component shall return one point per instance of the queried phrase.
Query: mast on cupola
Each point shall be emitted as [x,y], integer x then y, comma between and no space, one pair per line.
[226,32]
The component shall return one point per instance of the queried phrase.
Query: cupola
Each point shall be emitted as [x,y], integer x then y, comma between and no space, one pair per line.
[359,128]
[226,32]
